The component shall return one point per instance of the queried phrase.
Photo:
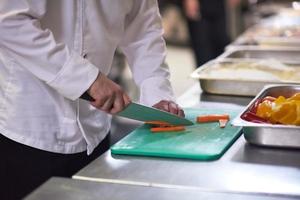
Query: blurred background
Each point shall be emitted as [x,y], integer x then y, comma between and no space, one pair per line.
[227,19]
[197,31]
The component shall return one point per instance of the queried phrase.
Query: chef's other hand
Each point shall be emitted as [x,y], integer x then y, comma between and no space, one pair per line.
[169,106]
[108,96]
[192,9]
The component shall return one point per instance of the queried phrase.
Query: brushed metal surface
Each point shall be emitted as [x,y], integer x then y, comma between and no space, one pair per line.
[273,137]
[286,55]
[229,87]
[70,189]
[243,169]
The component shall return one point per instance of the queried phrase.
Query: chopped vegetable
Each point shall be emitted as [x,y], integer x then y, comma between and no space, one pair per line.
[161,126]
[252,117]
[212,118]
[269,98]
[167,129]
[223,122]
[159,123]
[264,109]
[221,118]
[281,110]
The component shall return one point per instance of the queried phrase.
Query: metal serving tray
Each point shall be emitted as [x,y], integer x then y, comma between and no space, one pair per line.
[245,40]
[270,134]
[242,41]
[252,37]
[266,42]
[232,86]
[279,30]
[286,55]
[277,41]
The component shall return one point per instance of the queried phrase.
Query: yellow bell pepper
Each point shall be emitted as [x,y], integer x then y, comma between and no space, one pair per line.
[282,110]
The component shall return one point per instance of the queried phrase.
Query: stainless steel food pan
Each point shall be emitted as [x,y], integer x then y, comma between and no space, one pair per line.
[270,134]
[277,41]
[285,55]
[264,42]
[283,36]
[241,43]
[249,86]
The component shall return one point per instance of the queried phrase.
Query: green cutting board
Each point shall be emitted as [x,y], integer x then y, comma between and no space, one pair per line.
[205,141]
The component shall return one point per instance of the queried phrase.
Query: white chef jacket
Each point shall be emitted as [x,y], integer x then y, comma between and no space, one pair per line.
[51,52]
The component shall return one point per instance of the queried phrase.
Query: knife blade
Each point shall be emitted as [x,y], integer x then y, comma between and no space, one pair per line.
[143,113]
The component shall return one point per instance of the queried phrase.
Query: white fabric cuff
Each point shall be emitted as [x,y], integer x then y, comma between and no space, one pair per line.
[75,77]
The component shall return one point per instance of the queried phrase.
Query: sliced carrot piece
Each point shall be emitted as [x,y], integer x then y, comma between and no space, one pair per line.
[212,118]
[160,123]
[223,122]
[167,129]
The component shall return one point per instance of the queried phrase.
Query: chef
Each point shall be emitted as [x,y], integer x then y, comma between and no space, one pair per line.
[54,52]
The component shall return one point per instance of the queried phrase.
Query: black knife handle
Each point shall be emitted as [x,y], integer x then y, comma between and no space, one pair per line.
[87,97]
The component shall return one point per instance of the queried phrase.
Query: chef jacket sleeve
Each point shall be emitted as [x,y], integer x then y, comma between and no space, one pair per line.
[35,49]
[145,51]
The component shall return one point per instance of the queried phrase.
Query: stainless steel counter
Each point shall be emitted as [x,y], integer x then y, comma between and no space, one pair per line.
[70,189]
[244,168]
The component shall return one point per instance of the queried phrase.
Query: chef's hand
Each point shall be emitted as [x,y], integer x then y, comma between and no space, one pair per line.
[169,106]
[108,96]
[233,3]
[192,9]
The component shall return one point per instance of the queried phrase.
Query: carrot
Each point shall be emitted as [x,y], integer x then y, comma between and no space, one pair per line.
[159,123]
[223,122]
[212,118]
[167,129]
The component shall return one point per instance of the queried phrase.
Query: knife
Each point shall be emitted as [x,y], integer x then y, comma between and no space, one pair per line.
[144,113]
